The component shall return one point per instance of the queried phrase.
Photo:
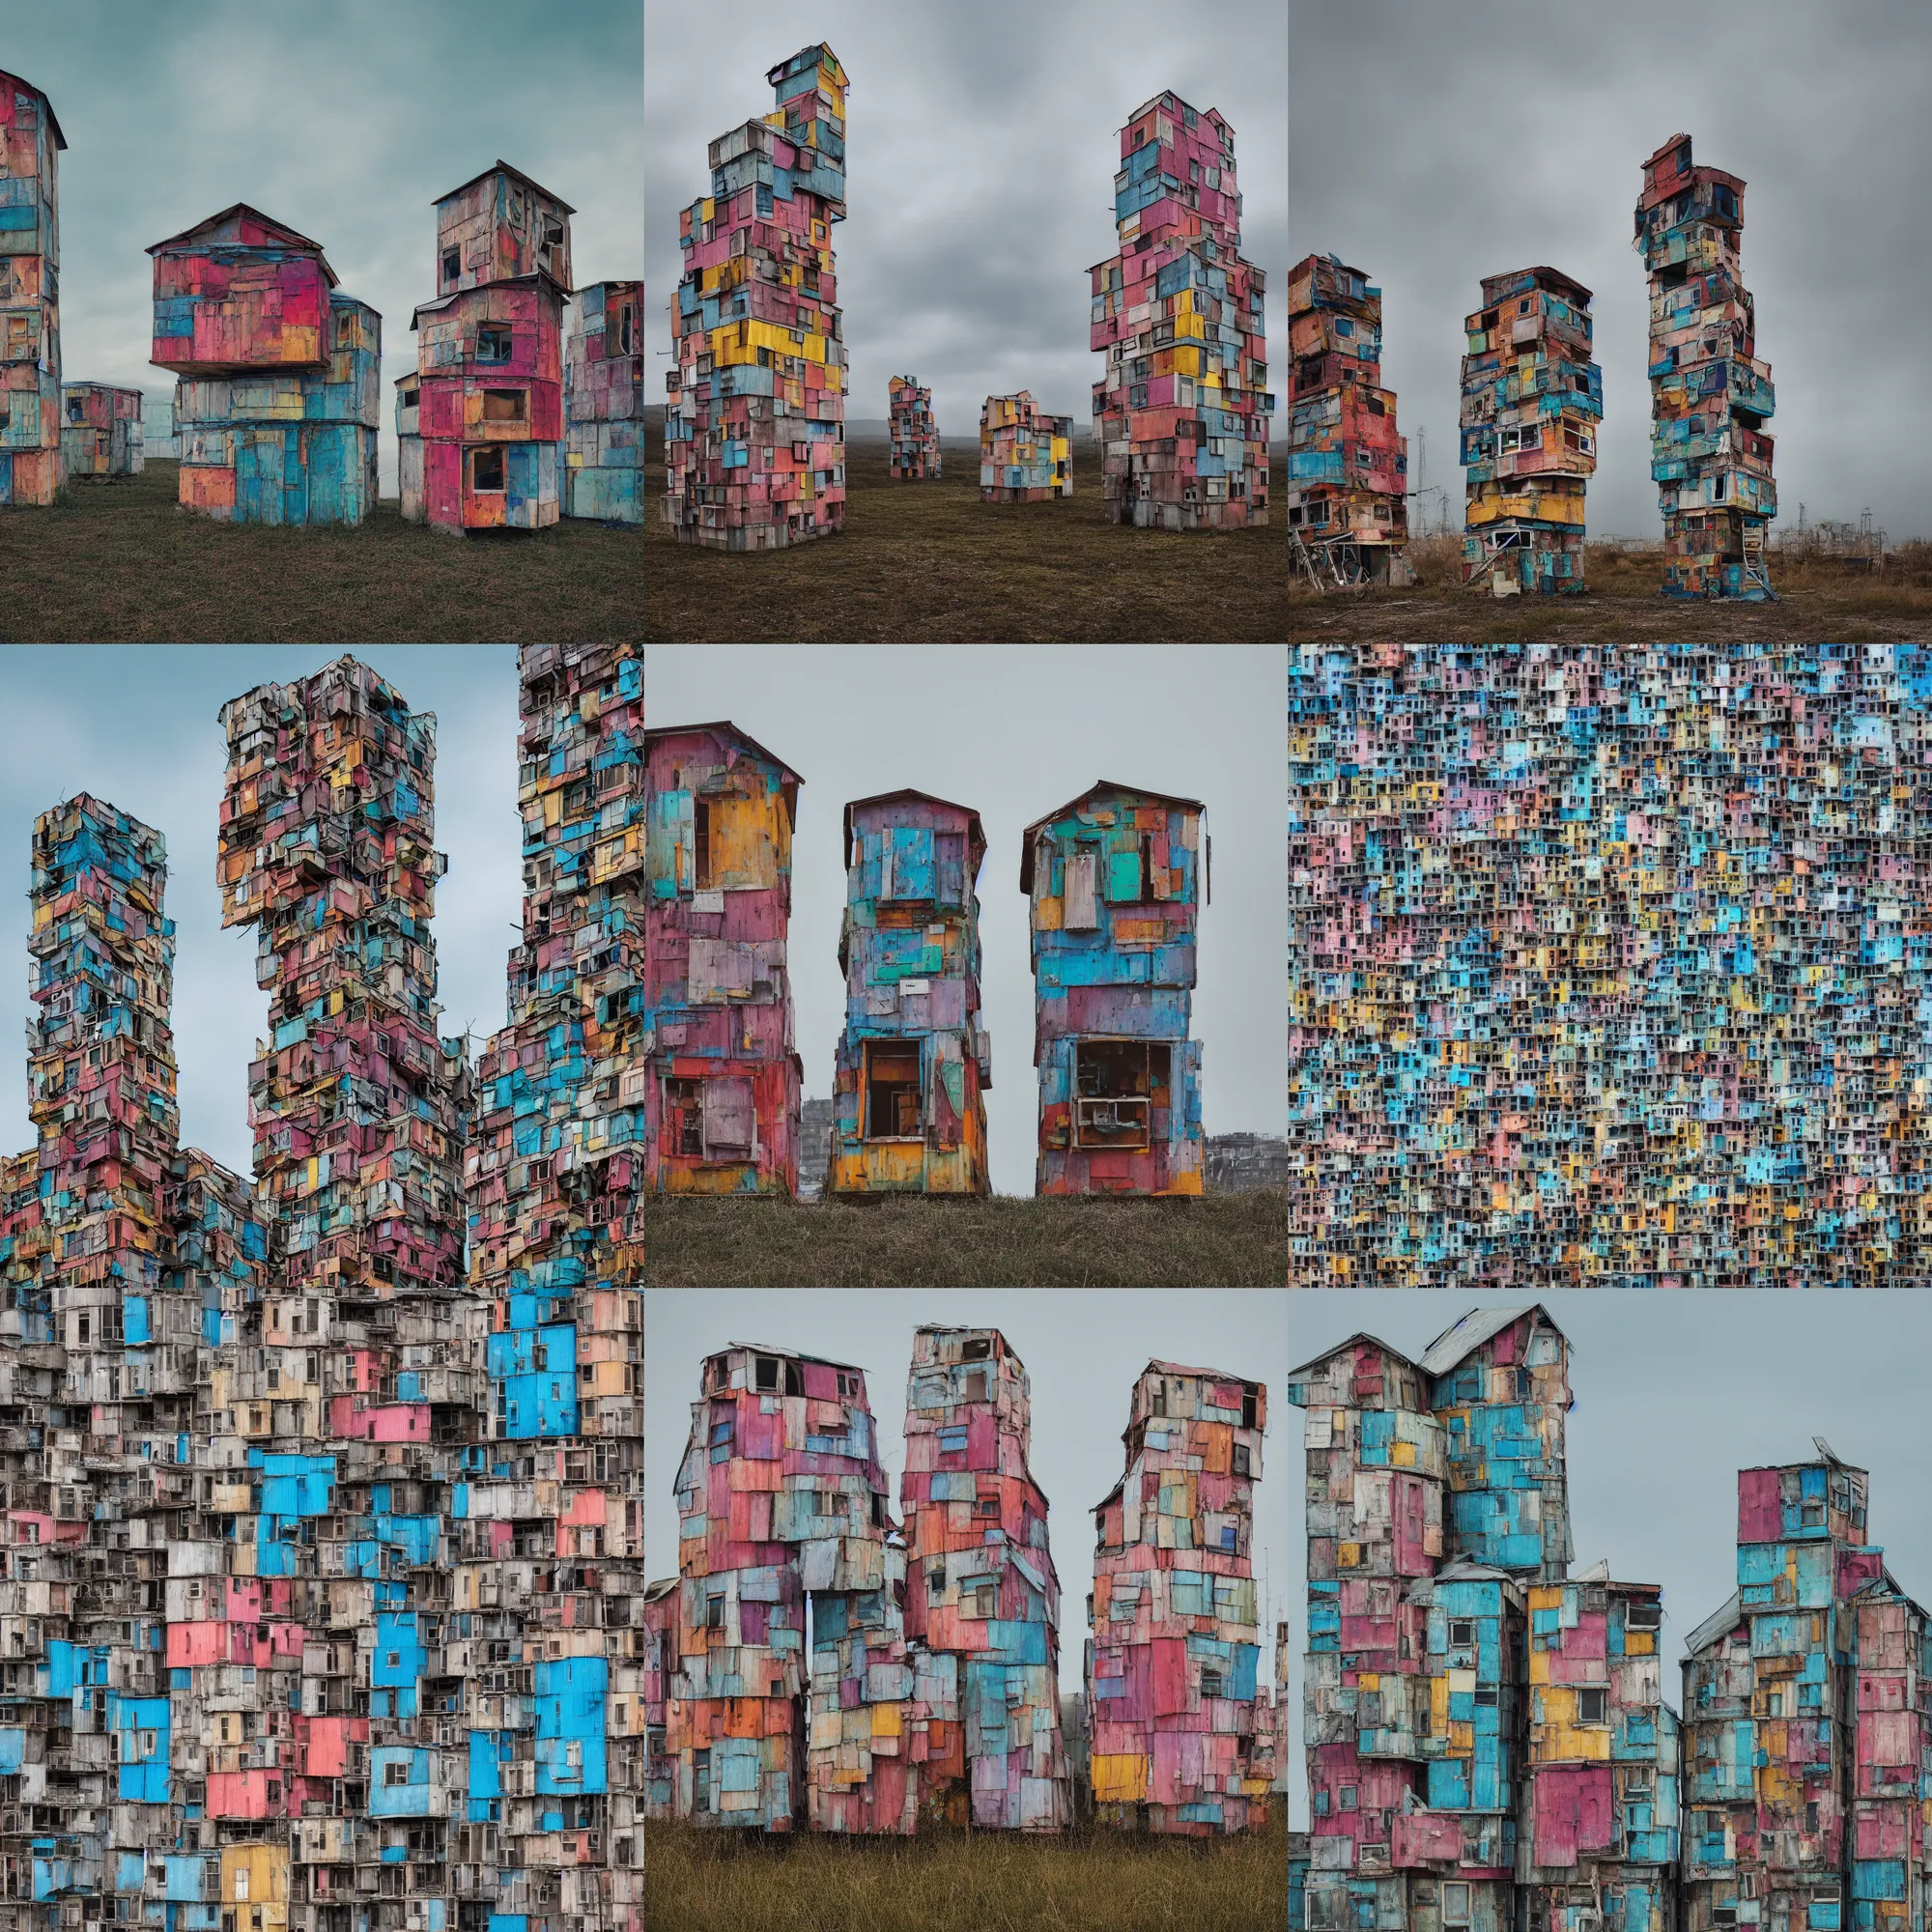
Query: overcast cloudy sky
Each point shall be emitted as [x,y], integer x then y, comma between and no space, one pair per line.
[982,142]
[1015,730]
[1675,1393]
[1083,1355]
[136,726]
[1435,145]
[344,121]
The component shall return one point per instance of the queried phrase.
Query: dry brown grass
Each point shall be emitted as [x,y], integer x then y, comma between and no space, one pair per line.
[1215,1240]
[930,563]
[121,563]
[1085,1880]
[1818,601]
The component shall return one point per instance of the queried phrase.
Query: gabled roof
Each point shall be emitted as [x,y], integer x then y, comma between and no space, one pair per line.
[515,174]
[1205,1375]
[791,1354]
[1094,790]
[1360,1335]
[1455,1345]
[290,236]
[974,830]
[723,725]
[536,280]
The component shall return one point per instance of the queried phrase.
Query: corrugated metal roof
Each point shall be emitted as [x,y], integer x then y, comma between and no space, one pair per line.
[1475,1329]
[1713,1628]
[1360,1335]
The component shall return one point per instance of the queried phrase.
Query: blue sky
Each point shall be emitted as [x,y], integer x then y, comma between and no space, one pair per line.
[344,121]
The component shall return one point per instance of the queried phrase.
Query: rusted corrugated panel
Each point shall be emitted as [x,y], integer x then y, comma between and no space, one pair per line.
[754,434]
[982,1598]
[32,468]
[1708,393]
[1182,1721]
[1183,413]
[1531,403]
[913,1061]
[723,1089]
[1117,878]
[1026,455]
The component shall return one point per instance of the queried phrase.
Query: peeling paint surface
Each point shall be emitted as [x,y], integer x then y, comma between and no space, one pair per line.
[1025,454]
[915,436]
[32,466]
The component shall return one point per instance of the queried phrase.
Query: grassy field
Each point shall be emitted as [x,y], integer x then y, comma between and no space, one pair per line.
[1085,1880]
[1218,1241]
[121,564]
[930,563]
[1816,602]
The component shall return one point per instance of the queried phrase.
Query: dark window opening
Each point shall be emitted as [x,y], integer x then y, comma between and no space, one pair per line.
[75,410]
[1147,895]
[1241,1468]
[410,398]
[1590,1706]
[1210,1684]
[794,1379]
[892,1090]
[506,406]
[1115,1083]
[976,1350]
[624,329]
[765,1374]
[1248,1410]
[1461,1633]
[493,342]
[486,470]
[684,1124]
[701,837]
[452,265]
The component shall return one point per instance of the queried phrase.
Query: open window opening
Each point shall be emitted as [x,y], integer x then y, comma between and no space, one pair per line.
[452,265]
[980,1348]
[624,328]
[892,1090]
[702,879]
[1115,1081]
[486,471]
[502,405]
[493,342]
[684,1118]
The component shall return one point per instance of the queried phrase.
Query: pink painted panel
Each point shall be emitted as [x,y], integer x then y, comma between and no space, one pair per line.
[1759,1516]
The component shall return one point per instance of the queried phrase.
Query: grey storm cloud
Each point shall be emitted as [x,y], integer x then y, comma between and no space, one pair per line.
[1432,145]
[1082,1348]
[983,143]
[1673,1394]
[344,121]
[1015,731]
[137,727]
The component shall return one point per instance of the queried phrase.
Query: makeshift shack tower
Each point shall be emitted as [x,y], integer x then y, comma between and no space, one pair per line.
[604,404]
[1348,467]
[1182,1721]
[1182,411]
[909,1113]
[982,1599]
[1710,396]
[1026,455]
[723,1091]
[1531,403]
[1117,878]
[480,423]
[100,430]
[754,435]
[277,402]
[915,436]
[31,470]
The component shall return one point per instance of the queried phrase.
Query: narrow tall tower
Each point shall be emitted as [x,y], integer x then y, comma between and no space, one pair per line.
[32,469]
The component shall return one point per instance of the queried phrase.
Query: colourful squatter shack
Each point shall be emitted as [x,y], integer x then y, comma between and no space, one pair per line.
[784,1534]
[31,470]
[1025,454]
[982,1599]
[1710,396]
[277,401]
[1531,403]
[908,1087]
[754,434]
[1805,1701]
[915,436]
[1117,880]
[100,430]
[1183,413]
[1347,465]
[480,424]
[723,1072]
[1182,1725]
[604,405]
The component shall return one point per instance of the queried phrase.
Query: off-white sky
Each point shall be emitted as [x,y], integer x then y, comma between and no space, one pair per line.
[1083,1350]
[1015,730]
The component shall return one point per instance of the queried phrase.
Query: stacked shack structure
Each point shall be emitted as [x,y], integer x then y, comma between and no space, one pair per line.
[278,398]
[1117,878]
[1710,395]
[915,436]
[1182,1736]
[1025,454]
[100,430]
[480,422]
[1531,403]
[909,1110]
[1348,465]
[982,1599]
[604,404]
[1182,413]
[722,1079]
[754,435]
[31,143]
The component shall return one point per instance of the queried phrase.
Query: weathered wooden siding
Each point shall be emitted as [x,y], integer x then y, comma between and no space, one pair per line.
[915,436]
[604,405]
[100,430]
[1026,456]
[32,468]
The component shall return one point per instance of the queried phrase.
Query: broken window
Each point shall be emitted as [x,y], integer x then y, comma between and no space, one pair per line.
[493,341]
[1114,1085]
[506,405]
[977,1349]
[486,470]
[623,321]
[684,1118]
[892,1090]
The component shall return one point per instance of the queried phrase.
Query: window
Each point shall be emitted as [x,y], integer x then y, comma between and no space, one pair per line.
[1082,872]
[240,1883]
[345,330]
[976,1385]
[714,1612]
[494,341]
[1211,1683]
[1249,1410]
[848,1385]
[700,838]
[730,1123]
[684,1118]
[892,1090]
[394,1772]
[1590,1706]
[506,406]
[935,1581]
[1241,1459]
[980,1598]
[765,1374]
[486,471]
[700,1780]
[1461,1633]
[1643,1616]
[452,265]
[978,1349]
[986,1506]
[654,1741]
[1454,1904]
[624,327]
[1115,1082]
[75,410]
